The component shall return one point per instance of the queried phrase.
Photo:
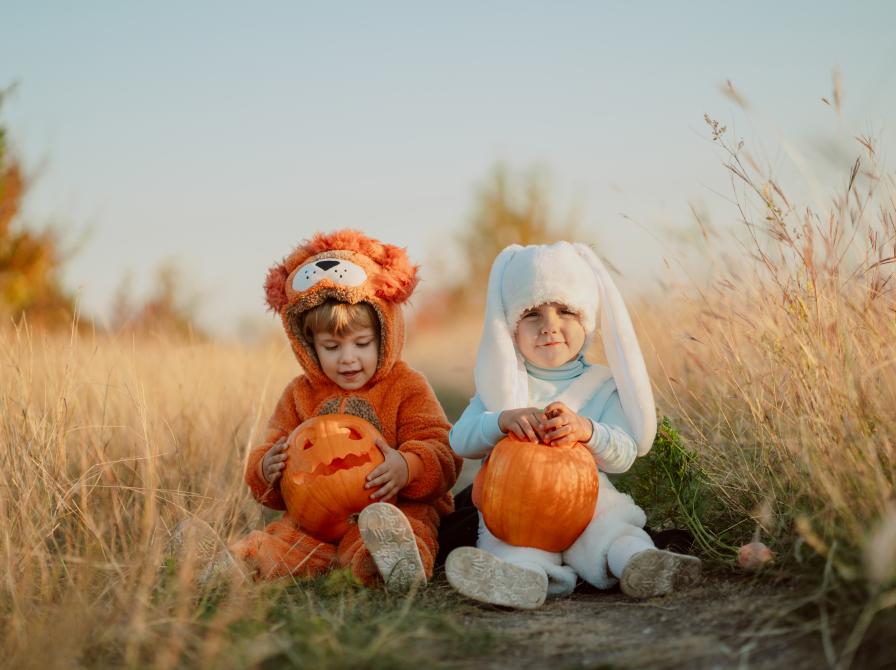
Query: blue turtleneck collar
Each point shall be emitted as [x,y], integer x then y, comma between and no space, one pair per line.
[569,370]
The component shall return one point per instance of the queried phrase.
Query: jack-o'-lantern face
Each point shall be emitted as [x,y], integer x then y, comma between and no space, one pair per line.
[328,460]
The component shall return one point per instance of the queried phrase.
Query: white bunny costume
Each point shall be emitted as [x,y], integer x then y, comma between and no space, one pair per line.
[618,399]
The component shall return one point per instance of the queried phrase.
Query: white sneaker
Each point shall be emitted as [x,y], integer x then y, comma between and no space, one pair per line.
[656,572]
[388,536]
[482,576]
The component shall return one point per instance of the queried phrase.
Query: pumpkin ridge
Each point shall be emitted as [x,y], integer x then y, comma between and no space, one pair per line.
[326,502]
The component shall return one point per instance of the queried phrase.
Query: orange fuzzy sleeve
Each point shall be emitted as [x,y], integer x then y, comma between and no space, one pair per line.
[422,431]
[281,424]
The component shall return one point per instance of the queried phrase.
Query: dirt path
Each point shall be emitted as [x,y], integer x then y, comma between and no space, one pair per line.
[723,623]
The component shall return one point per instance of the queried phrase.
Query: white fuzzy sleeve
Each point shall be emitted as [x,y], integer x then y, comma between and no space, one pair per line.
[612,444]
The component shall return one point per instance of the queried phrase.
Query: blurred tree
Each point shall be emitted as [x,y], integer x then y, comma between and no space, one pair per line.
[510,209]
[30,263]
[169,310]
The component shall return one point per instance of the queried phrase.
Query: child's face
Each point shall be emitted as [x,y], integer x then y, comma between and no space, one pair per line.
[549,335]
[349,360]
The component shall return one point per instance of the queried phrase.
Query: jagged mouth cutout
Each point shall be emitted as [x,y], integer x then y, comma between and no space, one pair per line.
[339,463]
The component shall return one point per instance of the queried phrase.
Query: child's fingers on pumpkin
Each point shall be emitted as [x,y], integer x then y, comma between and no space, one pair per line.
[529,431]
[556,422]
[539,427]
[379,480]
[384,446]
[559,431]
[383,491]
[378,471]
[555,409]
[517,431]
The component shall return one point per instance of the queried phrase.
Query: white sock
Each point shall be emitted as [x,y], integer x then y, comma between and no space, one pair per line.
[621,551]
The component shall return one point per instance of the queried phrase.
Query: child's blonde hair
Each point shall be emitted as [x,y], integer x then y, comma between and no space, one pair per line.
[338,318]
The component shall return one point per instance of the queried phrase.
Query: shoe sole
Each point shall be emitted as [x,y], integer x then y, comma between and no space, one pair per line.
[388,536]
[659,572]
[482,576]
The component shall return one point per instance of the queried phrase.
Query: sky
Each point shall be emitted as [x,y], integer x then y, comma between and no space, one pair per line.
[218,136]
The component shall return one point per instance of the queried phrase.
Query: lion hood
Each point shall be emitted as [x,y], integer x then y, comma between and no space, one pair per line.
[348,266]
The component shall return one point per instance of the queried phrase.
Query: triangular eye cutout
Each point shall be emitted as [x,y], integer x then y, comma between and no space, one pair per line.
[354,434]
[308,444]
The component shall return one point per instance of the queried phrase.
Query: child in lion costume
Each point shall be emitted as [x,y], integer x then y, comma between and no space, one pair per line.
[339,296]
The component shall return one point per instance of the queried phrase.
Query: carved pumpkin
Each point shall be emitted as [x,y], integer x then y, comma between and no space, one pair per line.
[537,495]
[328,460]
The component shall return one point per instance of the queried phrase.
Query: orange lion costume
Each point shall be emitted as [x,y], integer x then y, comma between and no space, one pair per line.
[350,267]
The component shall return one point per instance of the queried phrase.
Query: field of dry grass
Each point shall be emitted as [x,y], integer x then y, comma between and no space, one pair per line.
[776,366]
[105,444]
[779,369]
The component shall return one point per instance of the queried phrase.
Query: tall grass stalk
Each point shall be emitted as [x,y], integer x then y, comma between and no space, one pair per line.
[781,366]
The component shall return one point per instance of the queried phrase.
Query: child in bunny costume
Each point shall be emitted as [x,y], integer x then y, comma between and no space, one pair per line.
[542,313]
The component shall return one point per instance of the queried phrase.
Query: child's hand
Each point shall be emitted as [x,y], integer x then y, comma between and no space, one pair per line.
[564,426]
[274,461]
[525,424]
[391,475]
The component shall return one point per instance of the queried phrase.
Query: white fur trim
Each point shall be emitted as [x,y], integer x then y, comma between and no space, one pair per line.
[337,270]
[549,273]
[616,515]
[500,374]
[561,578]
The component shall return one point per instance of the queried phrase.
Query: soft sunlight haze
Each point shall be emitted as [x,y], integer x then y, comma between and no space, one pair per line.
[220,137]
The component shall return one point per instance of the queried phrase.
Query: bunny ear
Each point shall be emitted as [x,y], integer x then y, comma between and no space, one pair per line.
[624,355]
[499,374]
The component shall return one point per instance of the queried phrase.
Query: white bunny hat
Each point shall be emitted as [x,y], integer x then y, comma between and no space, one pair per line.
[524,277]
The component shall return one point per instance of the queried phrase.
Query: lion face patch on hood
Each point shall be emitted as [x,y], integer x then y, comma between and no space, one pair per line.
[350,267]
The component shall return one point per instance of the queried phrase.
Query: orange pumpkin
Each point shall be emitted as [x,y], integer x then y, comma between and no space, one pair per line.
[328,460]
[537,495]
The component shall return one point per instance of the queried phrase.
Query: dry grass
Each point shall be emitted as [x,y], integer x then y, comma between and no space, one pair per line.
[779,369]
[105,444]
